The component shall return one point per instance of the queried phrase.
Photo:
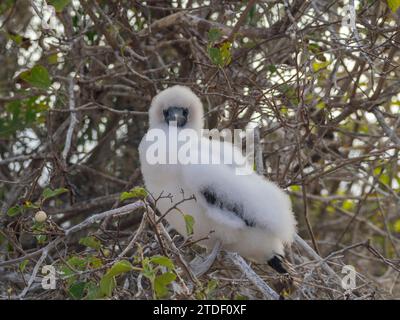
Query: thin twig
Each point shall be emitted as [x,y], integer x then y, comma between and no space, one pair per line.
[73,118]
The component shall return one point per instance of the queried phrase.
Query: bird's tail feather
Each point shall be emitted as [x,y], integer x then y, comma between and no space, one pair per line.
[285,284]
[276,263]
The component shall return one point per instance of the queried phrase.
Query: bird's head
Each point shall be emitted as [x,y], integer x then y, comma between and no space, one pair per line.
[178,106]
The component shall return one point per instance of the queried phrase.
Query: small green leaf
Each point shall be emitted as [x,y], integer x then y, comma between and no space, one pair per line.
[161,282]
[226,53]
[272,68]
[330,209]
[295,188]
[30,205]
[250,17]
[13,211]
[314,48]
[93,291]
[397,226]
[59,5]
[215,56]
[214,34]
[137,192]
[348,205]
[212,285]
[220,56]
[76,290]
[23,264]
[120,267]
[94,262]
[385,179]
[317,66]
[77,262]
[189,221]
[107,282]
[41,238]
[16,38]
[53,58]
[49,193]
[107,285]
[90,242]
[393,4]
[320,105]
[38,77]
[378,171]
[163,261]
[148,270]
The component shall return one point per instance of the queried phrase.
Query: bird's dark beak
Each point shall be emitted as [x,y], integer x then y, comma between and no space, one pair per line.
[176,115]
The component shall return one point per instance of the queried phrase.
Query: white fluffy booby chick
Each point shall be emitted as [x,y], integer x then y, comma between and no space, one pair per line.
[246,213]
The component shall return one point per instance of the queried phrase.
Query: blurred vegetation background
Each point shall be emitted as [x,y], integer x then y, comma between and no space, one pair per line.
[319,77]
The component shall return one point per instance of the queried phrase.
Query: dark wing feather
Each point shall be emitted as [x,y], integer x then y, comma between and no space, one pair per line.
[213,199]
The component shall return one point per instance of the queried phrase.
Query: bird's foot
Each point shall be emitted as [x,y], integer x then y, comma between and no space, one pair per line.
[200,265]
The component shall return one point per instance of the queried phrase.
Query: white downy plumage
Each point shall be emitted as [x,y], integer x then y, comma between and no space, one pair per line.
[247,213]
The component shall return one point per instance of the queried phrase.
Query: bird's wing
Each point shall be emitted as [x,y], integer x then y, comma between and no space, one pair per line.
[240,201]
[222,208]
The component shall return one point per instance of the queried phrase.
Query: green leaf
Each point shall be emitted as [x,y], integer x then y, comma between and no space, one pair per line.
[393,4]
[16,38]
[38,77]
[93,291]
[68,275]
[23,264]
[13,211]
[320,105]
[331,210]
[397,226]
[315,48]
[250,17]
[272,68]
[385,179]
[317,66]
[148,270]
[226,53]
[6,5]
[348,205]
[215,56]
[166,278]
[107,285]
[214,34]
[77,262]
[107,282]
[59,5]
[125,195]
[162,261]
[90,242]
[94,262]
[41,238]
[76,290]
[53,58]
[137,192]
[161,282]
[30,205]
[189,221]
[120,267]
[295,188]
[221,56]
[49,193]
[211,285]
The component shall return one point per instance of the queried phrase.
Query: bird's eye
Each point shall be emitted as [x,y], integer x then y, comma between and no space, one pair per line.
[185,112]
